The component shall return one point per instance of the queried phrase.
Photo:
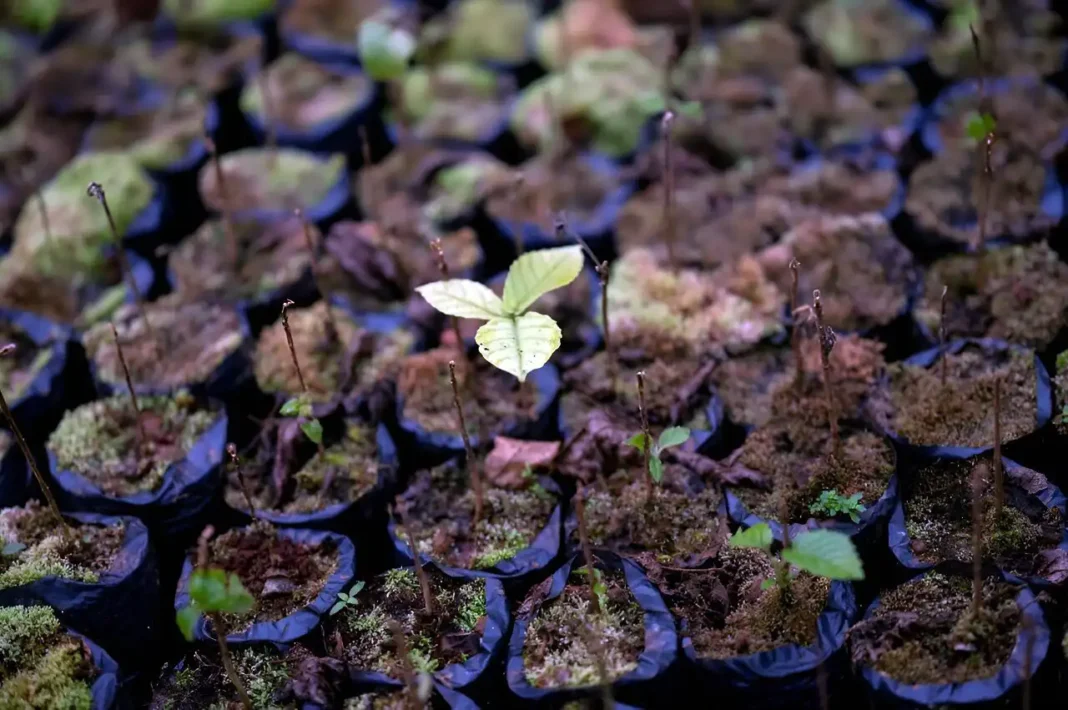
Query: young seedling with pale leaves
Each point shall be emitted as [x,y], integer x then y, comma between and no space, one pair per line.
[513,339]
[831,504]
[347,599]
[824,553]
[671,437]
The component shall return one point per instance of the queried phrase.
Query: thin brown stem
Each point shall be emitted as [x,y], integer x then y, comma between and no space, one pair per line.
[1029,652]
[827,341]
[472,464]
[999,482]
[292,348]
[333,333]
[694,7]
[795,335]
[669,187]
[584,541]
[231,450]
[142,437]
[647,449]
[443,269]
[977,540]
[97,190]
[268,113]
[417,562]
[986,177]
[25,448]
[217,622]
[589,631]
[943,356]
[407,668]
[233,248]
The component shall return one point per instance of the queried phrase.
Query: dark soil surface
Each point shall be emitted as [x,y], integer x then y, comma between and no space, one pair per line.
[439,511]
[922,632]
[190,341]
[489,396]
[451,634]
[556,653]
[304,94]
[1017,293]
[961,413]
[726,613]
[938,504]
[283,576]
[546,187]
[101,441]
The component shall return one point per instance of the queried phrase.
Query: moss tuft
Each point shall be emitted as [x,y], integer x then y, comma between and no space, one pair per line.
[42,668]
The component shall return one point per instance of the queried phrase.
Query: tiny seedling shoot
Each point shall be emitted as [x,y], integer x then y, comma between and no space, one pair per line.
[830,504]
[827,341]
[301,405]
[981,129]
[669,187]
[417,563]
[214,592]
[443,269]
[235,461]
[332,331]
[469,453]
[142,438]
[347,599]
[513,339]
[795,335]
[824,553]
[25,449]
[654,464]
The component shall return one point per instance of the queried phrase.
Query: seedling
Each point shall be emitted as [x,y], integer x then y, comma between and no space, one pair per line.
[231,450]
[827,341]
[332,331]
[142,438]
[443,269]
[981,129]
[603,273]
[942,335]
[417,563]
[469,452]
[97,190]
[214,592]
[999,482]
[300,406]
[233,247]
[514,339]
[795,335]
[25,448]
[977,539]
[384,48]
[598,590]
[670,437]
[669,187]
[347,599]
[830,505]
[821,552]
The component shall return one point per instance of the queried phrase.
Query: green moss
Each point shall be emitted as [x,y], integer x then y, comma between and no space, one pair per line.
[27,570]
[283,178]
[41,667]
[95,440]
[24,631]
[191,13]
[263,675]
[506,543]
[484,30]
[34,15]
[400,582]
[472,605]
[79,230]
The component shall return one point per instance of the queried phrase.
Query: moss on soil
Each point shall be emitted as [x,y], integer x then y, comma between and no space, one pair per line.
[191,341]
[280,179]
[83,554]
[491,399]
[41,666]
[450,635]
[100,441]
[199,682]
[305,94]
[938,502]
[962,412]
[283,576]
[156,139]
[922,631]
[441,510]
[865,33]
[555,654]
[1016,293]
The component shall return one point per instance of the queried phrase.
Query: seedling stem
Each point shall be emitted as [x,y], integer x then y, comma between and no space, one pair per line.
[584,540]
[443,269]
[231,450]
[417,563]
[977,540]
[25,448]
[407,669]
[669,187]
[999,482]
[333,334]
[986,146]
[603,274]
[217,622]
[232,245]
[942,335]
[141,436]
[289,340]
[472,465]
[647,449]
[795,336]
[827,341]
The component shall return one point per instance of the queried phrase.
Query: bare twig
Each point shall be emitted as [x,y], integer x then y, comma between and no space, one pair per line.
[584,541]
[795,335]
[141,436]
[233,248]
[26,453]
[472,464]
[603,274]
[999,482]
[292,348]
[986,147]
[417,561]
[669,187]
[977,540]
[443,269]
[944,356]
[231,450]
[827,341]
[647,449]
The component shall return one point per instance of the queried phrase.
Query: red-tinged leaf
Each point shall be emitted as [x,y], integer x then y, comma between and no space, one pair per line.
[511,457]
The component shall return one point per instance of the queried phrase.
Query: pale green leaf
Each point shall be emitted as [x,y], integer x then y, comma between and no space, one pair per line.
[825,553]
[519,345]
[313,430]
[637,441]
[767,584]
[656,469]
[384,50]
[673,436]
[187,620]
[291,408]
[462,298]
[536,273]
[338,606]
[758,536]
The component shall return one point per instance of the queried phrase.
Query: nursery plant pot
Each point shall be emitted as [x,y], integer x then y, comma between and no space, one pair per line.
[36,385]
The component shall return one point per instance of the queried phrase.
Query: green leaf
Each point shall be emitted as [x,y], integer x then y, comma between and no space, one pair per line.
[980,125]
[656,469]
[825,553]
[536,273]
[637,441]
[1062,361]
[313,430]
[12,548]
[600,588]
[342,596]
[758,536]
[215,590]
[338,606]
[462,298]
[767,584]
[291,408]
[187,620]
[384,50]
[673,436]
[357,588]
[519,345]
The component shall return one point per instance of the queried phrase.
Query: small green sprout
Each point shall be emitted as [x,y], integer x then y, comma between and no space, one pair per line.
[830,505]
[824,553]
[346,600]
[600,589]
[673,436]
[301,408]
[385,48]
[980,125]
[11,549]
[212,591]
[513,339]
[1062,361]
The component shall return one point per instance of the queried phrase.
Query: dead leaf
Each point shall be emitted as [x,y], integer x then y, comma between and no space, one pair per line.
[1053,565]
[510,458]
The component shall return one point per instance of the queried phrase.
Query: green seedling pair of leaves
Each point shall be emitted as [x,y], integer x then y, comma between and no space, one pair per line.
[824,553]
[384,47]
[513,339]
[673,436]
[301,407]
[600,589]
[980,125]
[830,504]
[345,600]
[213,590]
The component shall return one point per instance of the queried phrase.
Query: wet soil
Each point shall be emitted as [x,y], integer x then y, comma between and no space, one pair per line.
[867,276]
[439,507]
[961,413]
[191,341]
[101,441]
[1017,293]
[548,186]
[304,94]
[922,632]
[725,612]
[282,575]
[938,504]
[451,634]
[555,653]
